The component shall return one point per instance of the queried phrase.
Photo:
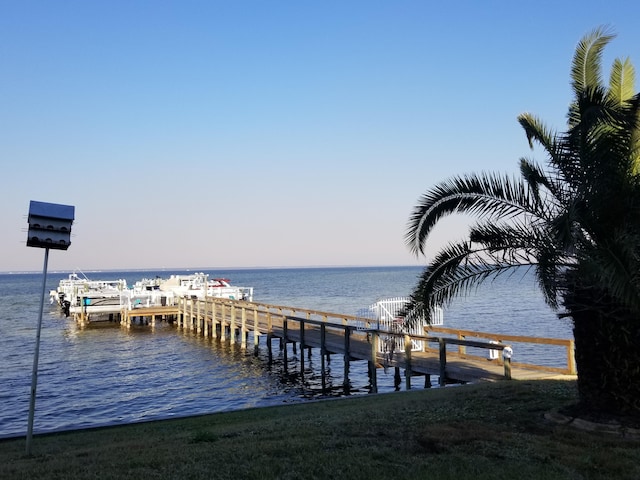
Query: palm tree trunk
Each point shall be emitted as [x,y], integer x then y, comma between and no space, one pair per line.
[607,355]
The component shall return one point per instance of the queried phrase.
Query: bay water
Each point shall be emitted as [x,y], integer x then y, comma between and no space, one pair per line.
[107,375]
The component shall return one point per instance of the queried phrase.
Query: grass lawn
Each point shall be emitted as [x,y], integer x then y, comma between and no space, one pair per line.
[487,431]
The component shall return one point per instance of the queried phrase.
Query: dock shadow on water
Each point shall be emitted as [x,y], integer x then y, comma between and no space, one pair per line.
[317,379]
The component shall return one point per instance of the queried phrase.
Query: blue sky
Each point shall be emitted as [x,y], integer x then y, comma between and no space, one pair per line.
[269,133]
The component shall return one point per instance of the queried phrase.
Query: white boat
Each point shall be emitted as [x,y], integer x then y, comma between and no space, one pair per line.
[159,291]
[104,299]
[166,291]
[384,316]
[199,285]
[78,291]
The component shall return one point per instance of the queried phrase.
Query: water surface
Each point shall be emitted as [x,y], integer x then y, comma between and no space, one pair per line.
[109,375]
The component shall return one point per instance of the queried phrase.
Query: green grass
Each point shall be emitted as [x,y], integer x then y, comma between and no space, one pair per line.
[488,431]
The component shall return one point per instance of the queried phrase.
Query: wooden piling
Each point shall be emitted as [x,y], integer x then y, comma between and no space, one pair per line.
[243,329]
[205,327]
[214,320]
[199,319]
[223,321]
[407,360]
[323,354]
[302,349]
[270,337]
[283,342]
[373,363]
[443,361]
[347,358]
[232,326]
[256,332]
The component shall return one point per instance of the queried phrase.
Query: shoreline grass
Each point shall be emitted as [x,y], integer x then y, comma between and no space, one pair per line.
[484,431]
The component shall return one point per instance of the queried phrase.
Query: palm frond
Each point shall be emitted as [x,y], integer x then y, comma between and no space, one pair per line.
[551,142]
[542,185]
[622,81]
[484,195]
[536,130]
[614,267]
[457,269]
[635,155]
[585,68]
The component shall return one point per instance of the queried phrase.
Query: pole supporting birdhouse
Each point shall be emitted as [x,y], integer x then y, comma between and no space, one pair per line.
[49,228]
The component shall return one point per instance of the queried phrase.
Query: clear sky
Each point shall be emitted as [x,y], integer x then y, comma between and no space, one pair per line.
[269,133]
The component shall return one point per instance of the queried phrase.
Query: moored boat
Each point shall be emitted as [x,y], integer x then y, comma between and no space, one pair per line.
[199,285]
[100,300]
[79,291]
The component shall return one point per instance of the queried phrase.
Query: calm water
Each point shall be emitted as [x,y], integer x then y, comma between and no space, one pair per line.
[109,375]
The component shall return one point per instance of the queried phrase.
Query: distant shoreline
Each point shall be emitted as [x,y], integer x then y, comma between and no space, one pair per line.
[199,269]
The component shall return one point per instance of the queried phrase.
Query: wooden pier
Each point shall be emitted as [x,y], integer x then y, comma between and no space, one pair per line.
[449,354]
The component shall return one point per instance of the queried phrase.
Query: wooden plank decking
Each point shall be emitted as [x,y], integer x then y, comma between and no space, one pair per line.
[354,339]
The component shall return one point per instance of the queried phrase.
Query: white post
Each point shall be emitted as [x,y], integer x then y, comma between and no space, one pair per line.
[34,374]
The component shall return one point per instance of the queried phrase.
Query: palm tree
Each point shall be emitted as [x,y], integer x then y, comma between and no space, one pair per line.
[575,222]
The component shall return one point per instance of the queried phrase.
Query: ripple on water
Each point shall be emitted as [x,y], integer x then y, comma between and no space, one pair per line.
[109,375]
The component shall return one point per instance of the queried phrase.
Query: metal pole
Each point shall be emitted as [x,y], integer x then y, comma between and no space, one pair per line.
[34,374]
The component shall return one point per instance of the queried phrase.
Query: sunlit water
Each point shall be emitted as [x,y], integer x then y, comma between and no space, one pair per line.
[109,375]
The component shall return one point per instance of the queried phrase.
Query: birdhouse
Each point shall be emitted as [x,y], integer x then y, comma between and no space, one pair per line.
[50,225]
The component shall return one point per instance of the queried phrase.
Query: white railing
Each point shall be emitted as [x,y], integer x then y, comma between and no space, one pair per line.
[385,315]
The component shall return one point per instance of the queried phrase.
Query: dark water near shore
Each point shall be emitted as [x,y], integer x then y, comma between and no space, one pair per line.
[109,375]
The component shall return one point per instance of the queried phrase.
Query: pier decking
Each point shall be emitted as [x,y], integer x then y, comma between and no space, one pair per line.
[449,354]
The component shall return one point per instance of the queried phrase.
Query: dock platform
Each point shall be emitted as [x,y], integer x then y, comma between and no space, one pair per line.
[449,354]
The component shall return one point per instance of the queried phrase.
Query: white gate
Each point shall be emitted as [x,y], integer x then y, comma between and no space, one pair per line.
[384,315]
